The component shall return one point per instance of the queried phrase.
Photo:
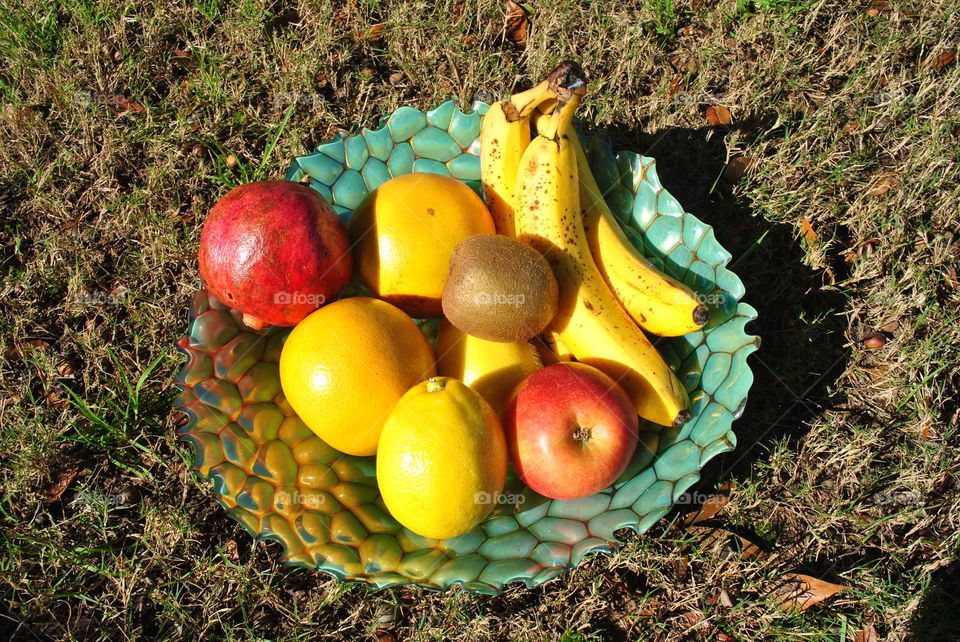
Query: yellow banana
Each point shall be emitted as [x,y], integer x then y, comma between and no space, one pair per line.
[590,320]
[658,303]
[504,134]
[492,368]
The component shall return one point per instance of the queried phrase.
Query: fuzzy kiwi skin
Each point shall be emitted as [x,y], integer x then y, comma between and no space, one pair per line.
[499,289]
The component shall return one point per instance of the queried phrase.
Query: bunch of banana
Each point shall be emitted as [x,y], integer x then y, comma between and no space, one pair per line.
[504,134]
[608,291]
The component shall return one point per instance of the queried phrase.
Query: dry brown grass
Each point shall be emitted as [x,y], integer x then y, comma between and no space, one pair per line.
[846,468]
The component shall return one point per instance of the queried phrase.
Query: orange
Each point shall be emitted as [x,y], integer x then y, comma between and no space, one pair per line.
[404,234]
[344,366]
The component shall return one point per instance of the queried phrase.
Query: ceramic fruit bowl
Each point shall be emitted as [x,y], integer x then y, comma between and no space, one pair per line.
[283,483]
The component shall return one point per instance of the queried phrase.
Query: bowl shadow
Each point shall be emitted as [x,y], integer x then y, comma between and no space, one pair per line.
[802,351]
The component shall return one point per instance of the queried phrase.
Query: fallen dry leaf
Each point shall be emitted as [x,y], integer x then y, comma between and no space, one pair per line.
[395,78]
[800,592]
[67,367]
[710,508]
[676,84]
[20,115]
[874,340]
[722,598]
[868,634]
[718,115]
[877,7]
[518,23]
[230,550]
[941,60]
[882,183]
[685,63]
[18,351]
[692,618]
[695,621]
[56,401]
[375,32]
[738,167]
[119,103]
[55,491]
[890,326]
[878,373]
[808,232]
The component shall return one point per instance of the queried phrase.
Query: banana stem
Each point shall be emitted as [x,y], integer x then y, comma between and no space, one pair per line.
[521,105]
[561,120]
[567,78]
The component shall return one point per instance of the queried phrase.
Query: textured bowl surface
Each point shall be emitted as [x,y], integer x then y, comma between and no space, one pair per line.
[283,483]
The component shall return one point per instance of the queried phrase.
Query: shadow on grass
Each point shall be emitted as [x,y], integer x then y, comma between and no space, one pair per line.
[935,618]
[802,351]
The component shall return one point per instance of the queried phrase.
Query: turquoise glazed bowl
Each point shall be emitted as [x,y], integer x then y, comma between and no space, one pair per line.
[283,483]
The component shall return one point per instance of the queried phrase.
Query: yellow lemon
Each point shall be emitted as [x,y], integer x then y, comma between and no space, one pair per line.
[404,234]
[442,459]
[344,367]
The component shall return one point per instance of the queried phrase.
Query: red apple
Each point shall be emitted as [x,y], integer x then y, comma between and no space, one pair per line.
[571,430]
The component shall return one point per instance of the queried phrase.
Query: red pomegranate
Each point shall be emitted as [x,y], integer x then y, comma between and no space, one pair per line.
[274,250]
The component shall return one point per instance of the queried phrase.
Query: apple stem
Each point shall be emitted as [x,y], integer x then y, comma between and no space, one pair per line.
[582,433]
[435,385]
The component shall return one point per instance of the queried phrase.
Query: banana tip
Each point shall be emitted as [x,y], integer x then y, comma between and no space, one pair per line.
[700,314]
[681,418]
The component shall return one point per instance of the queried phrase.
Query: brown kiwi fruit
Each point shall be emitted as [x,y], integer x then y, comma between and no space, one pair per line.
[499,289]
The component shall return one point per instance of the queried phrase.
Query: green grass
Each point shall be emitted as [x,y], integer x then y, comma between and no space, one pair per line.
[846,464]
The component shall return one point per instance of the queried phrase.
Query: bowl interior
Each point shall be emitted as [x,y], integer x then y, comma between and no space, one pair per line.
[283,483]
